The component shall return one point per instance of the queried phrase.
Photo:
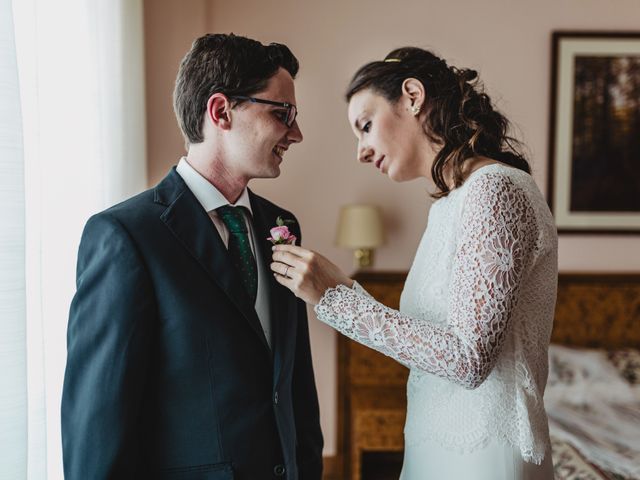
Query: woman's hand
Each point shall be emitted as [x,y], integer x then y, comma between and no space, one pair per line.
[307,274]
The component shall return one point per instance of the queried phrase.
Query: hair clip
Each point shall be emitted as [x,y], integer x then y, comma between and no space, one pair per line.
[392,60]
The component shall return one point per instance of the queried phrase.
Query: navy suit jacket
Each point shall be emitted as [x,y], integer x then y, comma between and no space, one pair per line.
[169,375]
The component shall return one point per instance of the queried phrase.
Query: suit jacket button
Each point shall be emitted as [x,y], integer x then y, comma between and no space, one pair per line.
[275,398]
[278,470]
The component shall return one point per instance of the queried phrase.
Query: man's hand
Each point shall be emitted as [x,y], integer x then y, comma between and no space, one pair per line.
[306,273]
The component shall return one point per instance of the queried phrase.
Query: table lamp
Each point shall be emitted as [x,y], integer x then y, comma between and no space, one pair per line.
[360,228]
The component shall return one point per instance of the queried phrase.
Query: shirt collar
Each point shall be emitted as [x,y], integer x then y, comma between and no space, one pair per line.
[205,192]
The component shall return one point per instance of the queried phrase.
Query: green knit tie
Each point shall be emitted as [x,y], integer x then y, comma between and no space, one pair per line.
[240,248]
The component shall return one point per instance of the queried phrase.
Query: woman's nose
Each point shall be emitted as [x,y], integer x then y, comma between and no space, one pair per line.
[365,154]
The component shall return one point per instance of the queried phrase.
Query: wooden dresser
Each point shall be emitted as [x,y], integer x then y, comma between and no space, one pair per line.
[371,387]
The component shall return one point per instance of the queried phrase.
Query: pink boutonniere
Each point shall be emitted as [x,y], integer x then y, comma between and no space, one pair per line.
[280,234]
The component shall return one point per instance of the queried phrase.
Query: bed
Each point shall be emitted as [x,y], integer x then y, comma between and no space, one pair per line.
[597,321]
[592,397]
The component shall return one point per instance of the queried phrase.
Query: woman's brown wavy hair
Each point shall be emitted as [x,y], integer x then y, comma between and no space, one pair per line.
[459,115]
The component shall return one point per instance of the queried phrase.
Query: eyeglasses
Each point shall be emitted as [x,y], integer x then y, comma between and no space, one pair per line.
[287,119]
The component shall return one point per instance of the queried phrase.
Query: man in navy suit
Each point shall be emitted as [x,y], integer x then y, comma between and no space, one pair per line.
[186,359]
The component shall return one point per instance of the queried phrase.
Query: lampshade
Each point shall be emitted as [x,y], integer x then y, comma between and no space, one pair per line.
[360,226]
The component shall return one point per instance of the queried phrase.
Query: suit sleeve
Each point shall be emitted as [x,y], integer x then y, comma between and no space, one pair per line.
[305,402]
[107,355]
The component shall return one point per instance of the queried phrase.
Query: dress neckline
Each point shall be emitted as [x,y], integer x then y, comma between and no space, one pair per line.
[485,169]
[490,167]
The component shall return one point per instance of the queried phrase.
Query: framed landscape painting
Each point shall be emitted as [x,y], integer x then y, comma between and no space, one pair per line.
[594,148]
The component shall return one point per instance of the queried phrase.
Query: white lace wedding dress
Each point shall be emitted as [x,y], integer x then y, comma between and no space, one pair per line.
[474,325]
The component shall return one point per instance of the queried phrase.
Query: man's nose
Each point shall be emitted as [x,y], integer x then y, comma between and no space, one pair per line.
[295,134]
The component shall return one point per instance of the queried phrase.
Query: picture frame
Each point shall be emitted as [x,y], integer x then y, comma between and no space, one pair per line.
[594,140]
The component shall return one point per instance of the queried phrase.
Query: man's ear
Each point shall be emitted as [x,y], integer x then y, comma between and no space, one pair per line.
[414,91]
[219,111]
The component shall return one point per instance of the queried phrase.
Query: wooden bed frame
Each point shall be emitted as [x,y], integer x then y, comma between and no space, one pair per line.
[598,310]
[592,310]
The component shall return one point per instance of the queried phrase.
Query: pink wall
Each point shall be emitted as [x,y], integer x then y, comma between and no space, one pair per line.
[170,27]
[508,42]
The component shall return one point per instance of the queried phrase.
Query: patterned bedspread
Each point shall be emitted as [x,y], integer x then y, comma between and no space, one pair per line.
[570,463]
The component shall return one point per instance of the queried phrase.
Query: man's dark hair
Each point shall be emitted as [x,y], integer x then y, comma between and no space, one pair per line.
[228,64]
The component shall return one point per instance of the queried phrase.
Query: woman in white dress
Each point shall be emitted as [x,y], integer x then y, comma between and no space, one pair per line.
[477,308]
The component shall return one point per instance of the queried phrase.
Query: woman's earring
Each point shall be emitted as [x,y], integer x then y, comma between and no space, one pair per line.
[415,110]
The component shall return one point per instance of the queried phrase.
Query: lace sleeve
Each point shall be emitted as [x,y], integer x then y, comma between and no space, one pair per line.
[494,248]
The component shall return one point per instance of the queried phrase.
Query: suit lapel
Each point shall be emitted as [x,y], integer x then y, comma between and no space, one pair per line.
[191,225]
[282,302]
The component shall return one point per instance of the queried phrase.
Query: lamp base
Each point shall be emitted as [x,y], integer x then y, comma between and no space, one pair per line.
[363,257]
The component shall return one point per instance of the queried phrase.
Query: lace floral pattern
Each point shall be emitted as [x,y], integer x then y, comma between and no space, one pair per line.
[489,341]
[377,331]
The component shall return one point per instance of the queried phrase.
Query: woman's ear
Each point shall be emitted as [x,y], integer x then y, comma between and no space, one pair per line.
[414,94]
[219,111]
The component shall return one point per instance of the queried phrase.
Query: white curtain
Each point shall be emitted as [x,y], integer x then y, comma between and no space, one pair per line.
[13,364]
[80,66]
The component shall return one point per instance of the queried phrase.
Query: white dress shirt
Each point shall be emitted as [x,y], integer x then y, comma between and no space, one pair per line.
[210,198]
